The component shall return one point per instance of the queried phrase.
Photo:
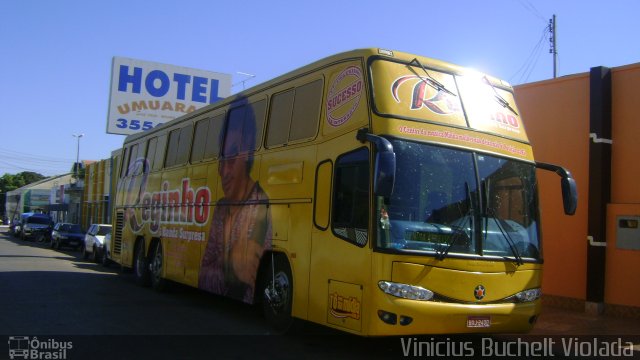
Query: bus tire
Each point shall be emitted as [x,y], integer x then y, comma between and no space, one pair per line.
[155,268]
[277,292]
[141,265]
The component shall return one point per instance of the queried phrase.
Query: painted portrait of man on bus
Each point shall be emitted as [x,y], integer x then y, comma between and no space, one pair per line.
[241,226]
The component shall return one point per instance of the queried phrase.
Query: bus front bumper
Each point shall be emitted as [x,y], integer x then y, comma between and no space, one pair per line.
[395,316]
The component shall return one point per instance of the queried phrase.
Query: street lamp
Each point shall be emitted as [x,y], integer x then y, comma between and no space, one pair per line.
[77,153]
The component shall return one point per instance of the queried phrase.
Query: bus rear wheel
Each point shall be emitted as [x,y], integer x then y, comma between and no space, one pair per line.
[141,265]
[277,291]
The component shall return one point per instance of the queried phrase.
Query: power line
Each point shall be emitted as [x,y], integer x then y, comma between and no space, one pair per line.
[11,160]
[530,63]
[532,9]
[31,157]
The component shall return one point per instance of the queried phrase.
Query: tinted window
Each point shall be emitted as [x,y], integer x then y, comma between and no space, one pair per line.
[184,145]
[212,149]
[160,150]
[172,149]
[280,118]
[306,111]
[351,196]
[200,140]
[294,114]
[151,151]
[133,156]
[249,115]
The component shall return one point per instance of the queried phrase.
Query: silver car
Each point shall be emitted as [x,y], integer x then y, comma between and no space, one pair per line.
[94,241]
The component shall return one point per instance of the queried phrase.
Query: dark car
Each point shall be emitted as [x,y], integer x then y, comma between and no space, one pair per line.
[33,226]
[66,234]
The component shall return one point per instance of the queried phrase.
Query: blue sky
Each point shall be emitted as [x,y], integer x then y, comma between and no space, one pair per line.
[55,62]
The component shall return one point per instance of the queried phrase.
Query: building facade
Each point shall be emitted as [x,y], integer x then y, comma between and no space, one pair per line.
[588,123]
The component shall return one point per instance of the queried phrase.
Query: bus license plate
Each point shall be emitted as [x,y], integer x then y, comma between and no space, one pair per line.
[478,321]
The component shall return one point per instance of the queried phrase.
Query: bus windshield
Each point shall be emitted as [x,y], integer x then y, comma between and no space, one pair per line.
[449,202]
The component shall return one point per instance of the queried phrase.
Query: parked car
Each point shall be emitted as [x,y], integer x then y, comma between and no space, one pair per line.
[34,226]
[14,227]
[105,257]
[94,241]
[66,234]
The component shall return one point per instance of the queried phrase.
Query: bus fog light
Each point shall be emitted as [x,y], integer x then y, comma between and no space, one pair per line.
[529,295]
[405,291]
[388,317]
[405,320]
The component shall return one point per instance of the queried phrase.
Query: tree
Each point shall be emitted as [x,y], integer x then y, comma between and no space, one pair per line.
[10,182]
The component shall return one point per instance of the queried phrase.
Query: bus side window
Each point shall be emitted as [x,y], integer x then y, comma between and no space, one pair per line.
[133,154]
[124,162]
[158,160]
[151,151]
[184,145]
[306,111]
[172,149]
[253,113]
[212,148]
[279,118]
[351,197]
[199,140]
[260,112]
[294,114]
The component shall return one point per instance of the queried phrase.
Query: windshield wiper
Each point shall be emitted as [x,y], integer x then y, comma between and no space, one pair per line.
[459,231]
[500,99]
[510,242]
[431,81]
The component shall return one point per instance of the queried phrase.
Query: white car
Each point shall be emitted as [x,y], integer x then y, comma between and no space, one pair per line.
[105,259]
[94,241]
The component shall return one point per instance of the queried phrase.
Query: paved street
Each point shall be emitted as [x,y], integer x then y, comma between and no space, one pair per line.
[57,296]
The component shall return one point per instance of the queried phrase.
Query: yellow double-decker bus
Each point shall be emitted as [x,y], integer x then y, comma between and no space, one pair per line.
[373,191]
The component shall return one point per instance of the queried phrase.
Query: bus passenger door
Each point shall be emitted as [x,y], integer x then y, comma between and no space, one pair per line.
[341,255]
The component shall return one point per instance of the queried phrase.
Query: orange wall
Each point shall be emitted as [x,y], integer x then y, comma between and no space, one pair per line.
[556,117]
[625,165]
[623,265]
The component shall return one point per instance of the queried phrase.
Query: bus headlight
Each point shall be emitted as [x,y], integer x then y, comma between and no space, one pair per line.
[405,291]
[528,295]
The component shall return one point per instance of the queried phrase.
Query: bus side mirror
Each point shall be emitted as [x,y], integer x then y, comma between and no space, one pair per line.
[568,185]
[569,195]
[384,175]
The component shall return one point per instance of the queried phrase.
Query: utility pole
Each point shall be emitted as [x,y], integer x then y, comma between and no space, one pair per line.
[553,31]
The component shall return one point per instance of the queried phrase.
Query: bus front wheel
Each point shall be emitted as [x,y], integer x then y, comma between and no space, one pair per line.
[157,281]
[277,293]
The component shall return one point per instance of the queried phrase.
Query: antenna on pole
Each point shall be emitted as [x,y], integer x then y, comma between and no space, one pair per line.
[249,77]
[553,31]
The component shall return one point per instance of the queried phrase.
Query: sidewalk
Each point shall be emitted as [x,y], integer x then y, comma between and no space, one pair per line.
[557,321]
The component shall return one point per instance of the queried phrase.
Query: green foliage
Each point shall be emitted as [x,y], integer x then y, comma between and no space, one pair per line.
[10,182]
[80,168]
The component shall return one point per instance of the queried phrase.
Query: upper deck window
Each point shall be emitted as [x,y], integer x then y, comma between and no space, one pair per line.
[294,114]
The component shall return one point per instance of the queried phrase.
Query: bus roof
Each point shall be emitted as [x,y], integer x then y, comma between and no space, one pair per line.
[363,53]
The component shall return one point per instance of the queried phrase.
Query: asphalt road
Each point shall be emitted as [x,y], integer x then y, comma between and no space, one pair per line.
[60,306]
[57,297]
